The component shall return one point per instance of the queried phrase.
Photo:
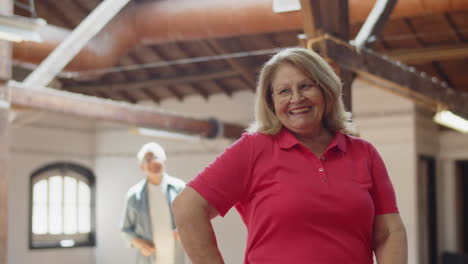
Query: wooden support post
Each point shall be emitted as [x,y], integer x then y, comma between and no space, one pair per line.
[330,17]
[6,8]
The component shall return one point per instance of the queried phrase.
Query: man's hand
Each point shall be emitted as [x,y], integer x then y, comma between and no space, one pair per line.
[146,247]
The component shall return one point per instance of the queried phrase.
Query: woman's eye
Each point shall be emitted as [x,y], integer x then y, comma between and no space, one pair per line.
[284,91]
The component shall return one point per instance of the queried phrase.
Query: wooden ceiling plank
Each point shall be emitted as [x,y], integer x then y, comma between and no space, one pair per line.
[215,83]
[128,97]
[218,83]
[150,72]
[441,73]
[133,75]
[65,21]
[102,94]
[76,16]
[169,87]
[172,51]
[453,28]
[183,79]
[413,30]
[242,69]
[151,95]
[173,90]
[52,100]
[197,87]
[83,9]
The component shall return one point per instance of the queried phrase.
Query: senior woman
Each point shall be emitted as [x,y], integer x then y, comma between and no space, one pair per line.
[307,191]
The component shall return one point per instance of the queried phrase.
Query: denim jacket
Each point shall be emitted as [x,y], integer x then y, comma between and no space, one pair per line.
[136,221]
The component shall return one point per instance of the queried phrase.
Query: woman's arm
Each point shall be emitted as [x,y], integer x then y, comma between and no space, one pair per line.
[390,245]
[193,216]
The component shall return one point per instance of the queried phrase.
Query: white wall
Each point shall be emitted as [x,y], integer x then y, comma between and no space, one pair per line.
[117,170]
[388,122]
[38,139]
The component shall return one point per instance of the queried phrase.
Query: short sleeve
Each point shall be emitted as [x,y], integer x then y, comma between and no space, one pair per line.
[382,190]
[224,182]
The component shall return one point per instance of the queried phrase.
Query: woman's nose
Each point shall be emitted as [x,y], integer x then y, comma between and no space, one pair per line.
[296,96]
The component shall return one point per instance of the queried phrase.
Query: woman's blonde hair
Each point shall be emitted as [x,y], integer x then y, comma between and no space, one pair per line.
[335,117]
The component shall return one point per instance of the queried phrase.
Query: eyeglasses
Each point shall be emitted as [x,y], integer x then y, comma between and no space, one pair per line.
[285,94]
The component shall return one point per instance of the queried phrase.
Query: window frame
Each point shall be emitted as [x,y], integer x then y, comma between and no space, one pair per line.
[53,241]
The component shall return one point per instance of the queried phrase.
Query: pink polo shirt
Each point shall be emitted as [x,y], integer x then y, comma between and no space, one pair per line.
[300,208]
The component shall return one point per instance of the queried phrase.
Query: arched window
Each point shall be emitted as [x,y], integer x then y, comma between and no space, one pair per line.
[62,206]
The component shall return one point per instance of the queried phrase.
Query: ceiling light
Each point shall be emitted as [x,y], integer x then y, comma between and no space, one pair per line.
[18,28]
[449,119]
[164,134]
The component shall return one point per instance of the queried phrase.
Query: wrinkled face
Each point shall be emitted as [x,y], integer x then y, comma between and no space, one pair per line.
[152,167]
[298,100]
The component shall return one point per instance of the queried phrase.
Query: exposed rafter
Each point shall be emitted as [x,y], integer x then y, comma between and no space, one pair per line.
[418,86]
[91,107]
[423,55]
[238,66]
[177,80]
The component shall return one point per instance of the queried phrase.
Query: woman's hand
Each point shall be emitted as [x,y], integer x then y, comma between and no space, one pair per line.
[390,244]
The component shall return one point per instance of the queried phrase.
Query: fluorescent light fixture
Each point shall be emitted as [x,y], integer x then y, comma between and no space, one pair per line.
[164,134]
[448,119]
[18,28]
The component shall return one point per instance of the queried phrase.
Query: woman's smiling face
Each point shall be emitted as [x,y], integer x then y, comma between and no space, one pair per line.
[298,100]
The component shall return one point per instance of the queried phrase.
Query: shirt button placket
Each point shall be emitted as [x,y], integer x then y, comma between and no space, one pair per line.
[322,175]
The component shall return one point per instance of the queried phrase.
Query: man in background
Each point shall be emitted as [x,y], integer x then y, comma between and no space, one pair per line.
[148,223]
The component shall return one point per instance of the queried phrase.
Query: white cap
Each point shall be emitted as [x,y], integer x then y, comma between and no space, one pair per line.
[154,148]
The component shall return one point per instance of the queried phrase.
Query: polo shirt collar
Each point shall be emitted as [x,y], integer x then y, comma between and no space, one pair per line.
[287,140]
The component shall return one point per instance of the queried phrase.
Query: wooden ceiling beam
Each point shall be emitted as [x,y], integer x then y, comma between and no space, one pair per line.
[52,100]
[128,97]
[151,95]
[419,86]
[441,73]
[227,90]
[185,79]
[65,20]
[199,89]
[169,87]
[173,90]
[423,55]
[194,70]
[238,66]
